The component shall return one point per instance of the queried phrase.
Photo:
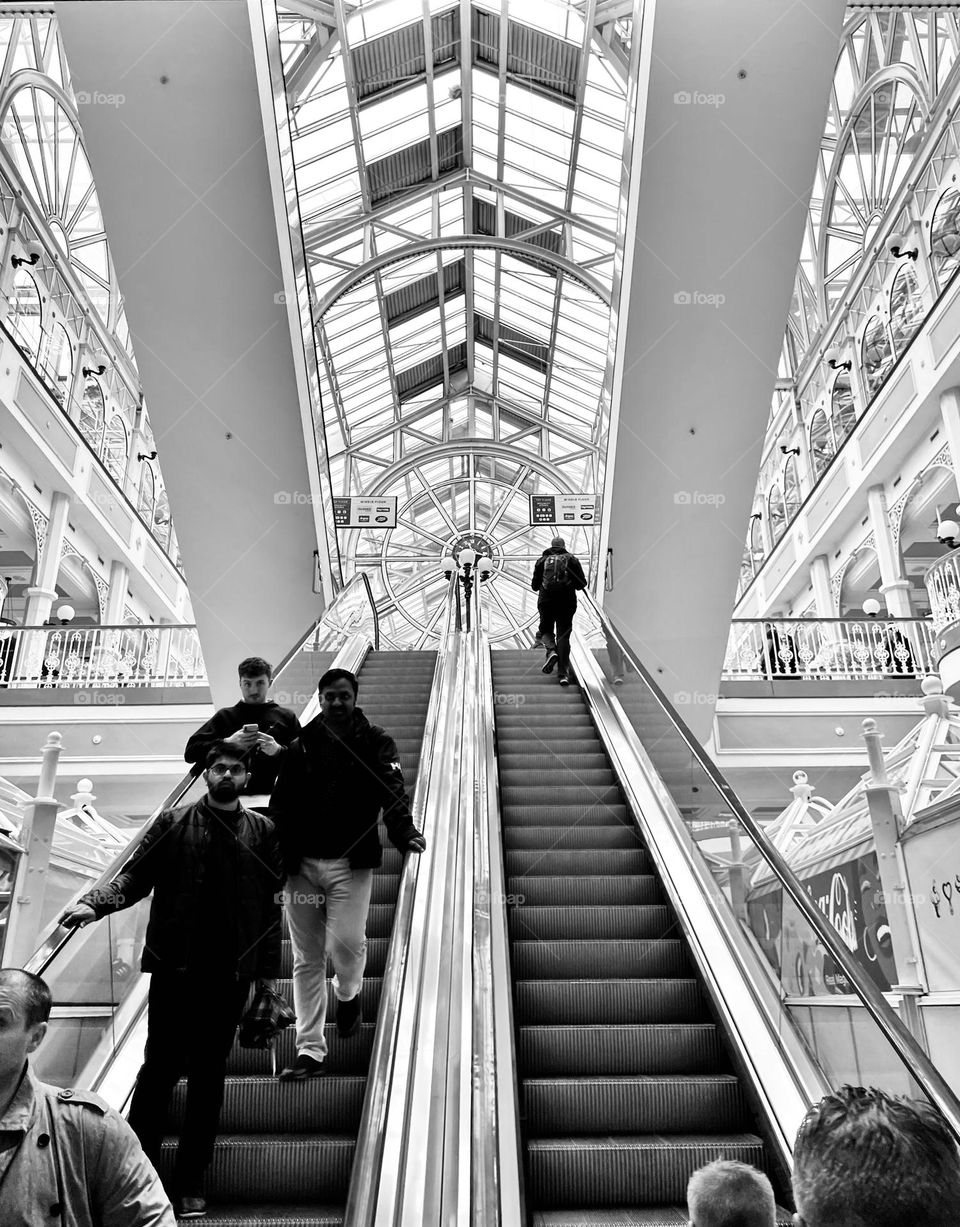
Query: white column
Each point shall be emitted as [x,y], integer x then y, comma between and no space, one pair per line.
[950,416]
[119,579]
[822,592]
[43,592]
[893,585]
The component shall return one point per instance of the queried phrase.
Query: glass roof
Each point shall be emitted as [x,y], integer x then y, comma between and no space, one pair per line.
[460,179]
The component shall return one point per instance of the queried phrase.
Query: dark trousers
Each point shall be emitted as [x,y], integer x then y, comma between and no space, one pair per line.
[191,1022]
[556,623]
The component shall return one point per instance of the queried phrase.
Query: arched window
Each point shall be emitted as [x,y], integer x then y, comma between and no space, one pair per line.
[25,314]
[906,308]
[146,499]
[59,363]
[945,236]
[877,354]
[161,518]
[777,515]
[843,412]
[821,443]
[92,414]
[791,488]
[115,448]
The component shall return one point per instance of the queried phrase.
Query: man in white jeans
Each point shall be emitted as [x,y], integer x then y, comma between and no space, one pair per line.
[333,783]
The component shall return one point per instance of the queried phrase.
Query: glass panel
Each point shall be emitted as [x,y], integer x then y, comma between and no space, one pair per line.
[777,514]
[25,313]
[945,236]
[59,363]
[810,994]
[844,410]
[877,354]
[821,442]
[115,448]
[91,414]
[906,308]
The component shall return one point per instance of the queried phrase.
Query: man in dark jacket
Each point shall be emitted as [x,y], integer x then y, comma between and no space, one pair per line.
[557,577]
[332,786]
[263,745]
[215,872]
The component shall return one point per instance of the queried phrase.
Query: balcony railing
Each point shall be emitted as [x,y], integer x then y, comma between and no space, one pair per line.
[943,588]
[830,649]
[83,657]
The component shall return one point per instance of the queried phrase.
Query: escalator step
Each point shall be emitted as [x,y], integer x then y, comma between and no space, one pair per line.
[517,749]
[567,724]
[627,1171]
[593,864]
[566,815]
[545,890]
[611,835]
[264,1105]
[344,1056]
[547,1002]
[634,1216]
[549,782]
[586,923]
[369,995]
[274,1216]
[678,1104]
[557,792]
[519,757]
[376,957]
[254,1167]
[632,960]
[379,919]
[677,1048]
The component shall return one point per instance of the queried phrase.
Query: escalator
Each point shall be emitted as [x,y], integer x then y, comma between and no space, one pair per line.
[626,1085]
[285,1150]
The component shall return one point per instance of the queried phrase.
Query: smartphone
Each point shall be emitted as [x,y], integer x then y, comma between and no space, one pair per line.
[251,728]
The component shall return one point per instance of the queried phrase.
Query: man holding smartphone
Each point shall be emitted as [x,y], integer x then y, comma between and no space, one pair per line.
[256,726]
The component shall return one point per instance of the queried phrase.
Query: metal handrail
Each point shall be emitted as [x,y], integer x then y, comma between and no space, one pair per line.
[371,1136]
[910,1053]
[56,936]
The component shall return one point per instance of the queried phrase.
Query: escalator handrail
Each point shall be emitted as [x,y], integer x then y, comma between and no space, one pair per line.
[368,1153]
[56,936]
[908,1050]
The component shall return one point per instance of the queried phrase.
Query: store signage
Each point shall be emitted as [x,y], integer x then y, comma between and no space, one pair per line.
[364,512]
[571,509]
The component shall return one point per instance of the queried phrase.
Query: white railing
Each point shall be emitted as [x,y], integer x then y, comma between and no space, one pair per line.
[834,649]
[80,657]
[943,588]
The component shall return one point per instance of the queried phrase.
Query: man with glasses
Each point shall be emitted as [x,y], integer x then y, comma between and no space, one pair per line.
[215,872]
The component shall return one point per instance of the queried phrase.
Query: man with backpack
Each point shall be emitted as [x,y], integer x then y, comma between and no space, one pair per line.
[557,577]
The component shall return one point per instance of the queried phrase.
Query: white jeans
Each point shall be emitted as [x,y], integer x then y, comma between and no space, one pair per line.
[327,904]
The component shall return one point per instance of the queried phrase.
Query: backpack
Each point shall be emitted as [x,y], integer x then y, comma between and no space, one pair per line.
[556,574]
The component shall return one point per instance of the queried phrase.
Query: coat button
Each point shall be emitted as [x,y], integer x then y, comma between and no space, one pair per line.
[65,1095]
[43,1140]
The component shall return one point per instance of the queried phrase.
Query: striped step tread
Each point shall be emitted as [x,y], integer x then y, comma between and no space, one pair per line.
[633,1216]
[262,1104]
[566,816]
[546,758]
[611,861]
[299,1167]
[625,1170]
[515,747]
[578,1002]
[528,791]
[587,923]
[640,1048]
[273,1216]
[706,1103]
[369,995]
[591,835]
[344,1056]
[546,890]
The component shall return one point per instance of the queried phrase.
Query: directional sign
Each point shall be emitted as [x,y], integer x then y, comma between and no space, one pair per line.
[364,512]
[570,509]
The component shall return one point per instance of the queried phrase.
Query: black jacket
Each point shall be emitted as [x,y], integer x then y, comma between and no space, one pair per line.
[280,722]
[170,861]
[331,790]
[573,567]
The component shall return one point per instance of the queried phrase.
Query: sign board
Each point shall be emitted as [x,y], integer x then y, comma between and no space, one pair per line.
[932,859]
[570,509]
[363,511]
